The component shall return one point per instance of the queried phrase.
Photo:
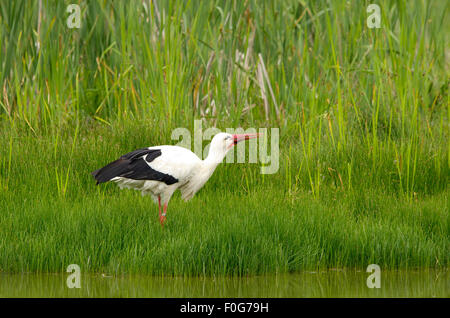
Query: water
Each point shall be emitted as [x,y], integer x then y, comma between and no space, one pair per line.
[338,283]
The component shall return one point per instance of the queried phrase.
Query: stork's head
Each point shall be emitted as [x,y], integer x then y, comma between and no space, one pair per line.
[223,142]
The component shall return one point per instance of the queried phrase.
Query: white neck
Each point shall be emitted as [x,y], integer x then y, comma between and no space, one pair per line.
[214,158]
[212,161]
[206,168]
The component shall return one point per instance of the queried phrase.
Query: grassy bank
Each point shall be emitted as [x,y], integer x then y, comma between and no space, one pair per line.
[362,113]
[242,222]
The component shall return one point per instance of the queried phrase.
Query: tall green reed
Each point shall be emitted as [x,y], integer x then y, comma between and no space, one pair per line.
[359,106]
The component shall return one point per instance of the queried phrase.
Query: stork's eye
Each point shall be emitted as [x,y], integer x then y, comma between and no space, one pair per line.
[227,137]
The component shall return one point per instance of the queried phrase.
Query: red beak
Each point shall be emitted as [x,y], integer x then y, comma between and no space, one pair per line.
[240,137]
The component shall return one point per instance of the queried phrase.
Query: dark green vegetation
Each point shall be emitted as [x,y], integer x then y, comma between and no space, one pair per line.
[362,113]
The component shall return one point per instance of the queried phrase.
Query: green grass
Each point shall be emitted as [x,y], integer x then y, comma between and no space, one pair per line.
[362,113]
[230,227]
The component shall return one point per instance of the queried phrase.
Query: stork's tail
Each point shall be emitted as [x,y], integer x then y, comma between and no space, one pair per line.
[109,171]
[134,166]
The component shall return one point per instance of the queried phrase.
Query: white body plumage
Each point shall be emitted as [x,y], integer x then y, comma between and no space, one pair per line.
[181,163]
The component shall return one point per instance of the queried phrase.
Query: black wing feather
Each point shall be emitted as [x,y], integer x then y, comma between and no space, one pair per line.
[133,166]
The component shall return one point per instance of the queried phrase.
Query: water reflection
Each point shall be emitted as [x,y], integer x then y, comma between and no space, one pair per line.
[424,283]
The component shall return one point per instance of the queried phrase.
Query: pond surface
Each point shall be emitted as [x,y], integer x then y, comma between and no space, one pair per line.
[337,283]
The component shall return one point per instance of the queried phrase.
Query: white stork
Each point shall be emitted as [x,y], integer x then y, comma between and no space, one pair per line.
[160,170]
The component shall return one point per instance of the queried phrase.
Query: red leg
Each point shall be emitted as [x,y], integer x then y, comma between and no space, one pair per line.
[159,206]
[162,217]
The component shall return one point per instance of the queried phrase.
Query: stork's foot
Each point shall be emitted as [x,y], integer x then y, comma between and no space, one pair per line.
[162,219]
